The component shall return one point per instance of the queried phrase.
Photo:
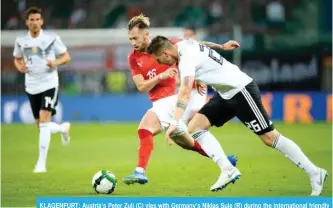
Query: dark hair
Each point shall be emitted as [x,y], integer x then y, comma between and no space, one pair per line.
[33,10]
[157,44]
[193,28]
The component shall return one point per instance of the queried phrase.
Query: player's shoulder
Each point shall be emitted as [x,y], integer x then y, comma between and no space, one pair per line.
[187,46]
[22,37]
[133,55]
[51,35]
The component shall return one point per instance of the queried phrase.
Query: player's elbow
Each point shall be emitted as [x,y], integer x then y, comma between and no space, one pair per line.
[68,58]
[143,89]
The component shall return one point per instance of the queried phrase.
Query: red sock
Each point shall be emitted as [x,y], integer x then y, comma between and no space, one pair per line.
[146,147]
[197,147]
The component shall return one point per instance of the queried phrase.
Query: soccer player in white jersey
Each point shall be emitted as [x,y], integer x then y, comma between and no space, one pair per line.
[35,56]
[237,95]
[198,97]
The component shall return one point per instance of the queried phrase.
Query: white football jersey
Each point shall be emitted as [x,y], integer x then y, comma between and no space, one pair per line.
[209,67]
[36,52]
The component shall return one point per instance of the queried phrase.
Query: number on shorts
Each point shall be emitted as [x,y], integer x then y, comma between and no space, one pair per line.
[48,101]
[217,58]
[253,125]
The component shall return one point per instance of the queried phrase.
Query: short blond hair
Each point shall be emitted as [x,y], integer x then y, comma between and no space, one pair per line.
[141,21]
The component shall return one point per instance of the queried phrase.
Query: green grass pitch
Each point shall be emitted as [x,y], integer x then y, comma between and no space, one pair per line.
[171,172]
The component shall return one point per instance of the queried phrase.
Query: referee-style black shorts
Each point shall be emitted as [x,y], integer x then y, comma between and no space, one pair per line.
[246,105]
[46,100]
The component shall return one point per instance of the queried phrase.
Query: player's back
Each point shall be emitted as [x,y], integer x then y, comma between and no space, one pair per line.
[144,64]
[211,68]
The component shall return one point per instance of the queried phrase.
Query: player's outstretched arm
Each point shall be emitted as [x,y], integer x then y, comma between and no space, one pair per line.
[230,45]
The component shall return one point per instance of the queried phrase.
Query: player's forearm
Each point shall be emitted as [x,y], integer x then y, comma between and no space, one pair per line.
[183,100]
[177,80]
[18,63]
[212,45]
[147,85]
[63,59]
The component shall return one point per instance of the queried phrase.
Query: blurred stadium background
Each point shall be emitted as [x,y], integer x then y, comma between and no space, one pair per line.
[286,47]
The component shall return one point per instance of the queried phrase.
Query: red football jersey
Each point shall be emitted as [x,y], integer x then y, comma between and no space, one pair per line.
[144,64]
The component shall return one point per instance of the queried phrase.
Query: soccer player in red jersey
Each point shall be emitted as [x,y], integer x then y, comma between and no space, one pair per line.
[160,82]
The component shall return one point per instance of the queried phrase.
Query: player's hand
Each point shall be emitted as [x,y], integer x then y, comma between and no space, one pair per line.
[52,64]
[170,130]
[201,88]
[230,45]
[169,73]
[23,68]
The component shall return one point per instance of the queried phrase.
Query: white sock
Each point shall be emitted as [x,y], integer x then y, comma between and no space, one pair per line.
[55,128]
[294,153]
[44,143]
[140,169]
[212,148]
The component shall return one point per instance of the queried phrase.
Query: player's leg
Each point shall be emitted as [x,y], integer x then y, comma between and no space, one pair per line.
[254,116]
[196,102]
[63,128]
[148,127]
[186,141]
[37,122]
[36,103]
[48,100]
[214,113]
[44,140]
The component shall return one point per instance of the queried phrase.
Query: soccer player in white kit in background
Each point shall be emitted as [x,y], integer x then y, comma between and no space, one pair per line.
[35,55]
[237,95]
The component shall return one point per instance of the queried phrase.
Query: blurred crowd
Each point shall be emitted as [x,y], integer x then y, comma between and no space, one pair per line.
[215,15]
[266,26]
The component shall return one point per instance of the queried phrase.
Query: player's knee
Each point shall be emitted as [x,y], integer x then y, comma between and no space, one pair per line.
[44,116]
[198,123]
[195,127]
[269,137]
[151,128]
[192,128]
